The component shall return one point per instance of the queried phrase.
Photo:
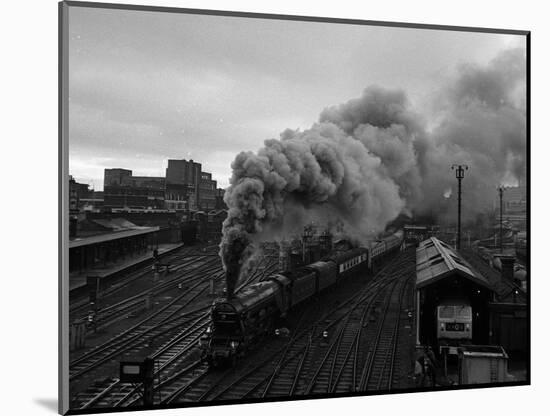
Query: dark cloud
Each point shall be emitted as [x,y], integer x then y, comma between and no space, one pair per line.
[162,84]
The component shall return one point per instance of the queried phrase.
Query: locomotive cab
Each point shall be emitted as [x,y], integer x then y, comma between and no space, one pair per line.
[454,321]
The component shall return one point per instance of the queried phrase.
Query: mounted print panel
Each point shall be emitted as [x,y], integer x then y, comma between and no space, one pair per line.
[260,207]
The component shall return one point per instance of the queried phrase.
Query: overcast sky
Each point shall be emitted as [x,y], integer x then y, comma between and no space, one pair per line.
[148,86]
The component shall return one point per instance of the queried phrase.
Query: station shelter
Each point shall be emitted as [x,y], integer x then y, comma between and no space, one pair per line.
[442,275]
[99,250]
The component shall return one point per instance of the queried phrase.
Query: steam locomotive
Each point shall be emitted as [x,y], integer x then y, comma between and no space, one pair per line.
[239,321]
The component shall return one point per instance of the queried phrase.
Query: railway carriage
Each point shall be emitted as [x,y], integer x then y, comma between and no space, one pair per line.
[239,321]
[350,261]
[381,248]
[377,249]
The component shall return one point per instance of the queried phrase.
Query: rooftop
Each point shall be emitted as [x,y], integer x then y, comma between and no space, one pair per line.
[102,238]
[435,260]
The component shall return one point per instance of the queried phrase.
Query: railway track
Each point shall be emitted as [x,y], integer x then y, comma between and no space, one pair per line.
[136,303]
[139,332]
[195,286]
[263,269]
[130,306]
[334,365]
[180,330]
[168,357]
[129,277]
[380,366]
[138,278]
[308,363]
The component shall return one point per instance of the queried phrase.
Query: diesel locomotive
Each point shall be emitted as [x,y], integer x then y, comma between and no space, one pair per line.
[454,322]
[239,321]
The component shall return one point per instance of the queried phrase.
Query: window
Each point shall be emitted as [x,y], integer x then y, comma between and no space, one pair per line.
[446,312]
[463,312]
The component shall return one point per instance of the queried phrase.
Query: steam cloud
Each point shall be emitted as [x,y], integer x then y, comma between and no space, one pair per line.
[368,160]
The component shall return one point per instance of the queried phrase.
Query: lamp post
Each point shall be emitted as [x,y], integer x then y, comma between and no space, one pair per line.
[459,170]
[500,192]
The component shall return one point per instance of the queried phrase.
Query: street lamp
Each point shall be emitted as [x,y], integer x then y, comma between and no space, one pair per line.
[459,170]
[500,192]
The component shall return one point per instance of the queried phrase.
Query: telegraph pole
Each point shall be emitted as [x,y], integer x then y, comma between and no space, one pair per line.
[459,169]
[500,192]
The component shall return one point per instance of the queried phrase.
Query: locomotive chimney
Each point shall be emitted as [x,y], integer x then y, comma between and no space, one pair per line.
[231,277]
[507,267]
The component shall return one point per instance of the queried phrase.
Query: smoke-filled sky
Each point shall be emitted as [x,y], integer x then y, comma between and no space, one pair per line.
[148,86]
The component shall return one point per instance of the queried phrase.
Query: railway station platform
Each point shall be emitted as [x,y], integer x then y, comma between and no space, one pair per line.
[103,247]
[78,278]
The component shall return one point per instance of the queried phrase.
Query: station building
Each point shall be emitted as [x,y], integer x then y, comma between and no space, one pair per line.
[113,241]
[442,275]
[508,307]
[499,308]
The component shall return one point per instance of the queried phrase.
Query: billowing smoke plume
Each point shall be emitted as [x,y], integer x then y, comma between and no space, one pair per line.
[383,122]
[370,159]
[483,125]
[321,173]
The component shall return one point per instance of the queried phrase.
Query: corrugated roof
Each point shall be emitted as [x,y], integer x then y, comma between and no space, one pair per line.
[110,236]
[436,260]
[117,224]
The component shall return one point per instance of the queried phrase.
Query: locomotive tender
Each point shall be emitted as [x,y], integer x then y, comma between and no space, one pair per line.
[239,321]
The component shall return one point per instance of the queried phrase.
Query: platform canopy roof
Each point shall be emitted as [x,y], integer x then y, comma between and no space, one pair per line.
[117,235]
[436,260]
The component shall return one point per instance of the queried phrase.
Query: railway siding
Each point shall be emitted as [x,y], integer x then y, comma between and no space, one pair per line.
[171,332]
[367,347]
[354,338]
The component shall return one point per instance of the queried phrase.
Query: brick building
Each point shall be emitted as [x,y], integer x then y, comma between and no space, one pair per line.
[123,190]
